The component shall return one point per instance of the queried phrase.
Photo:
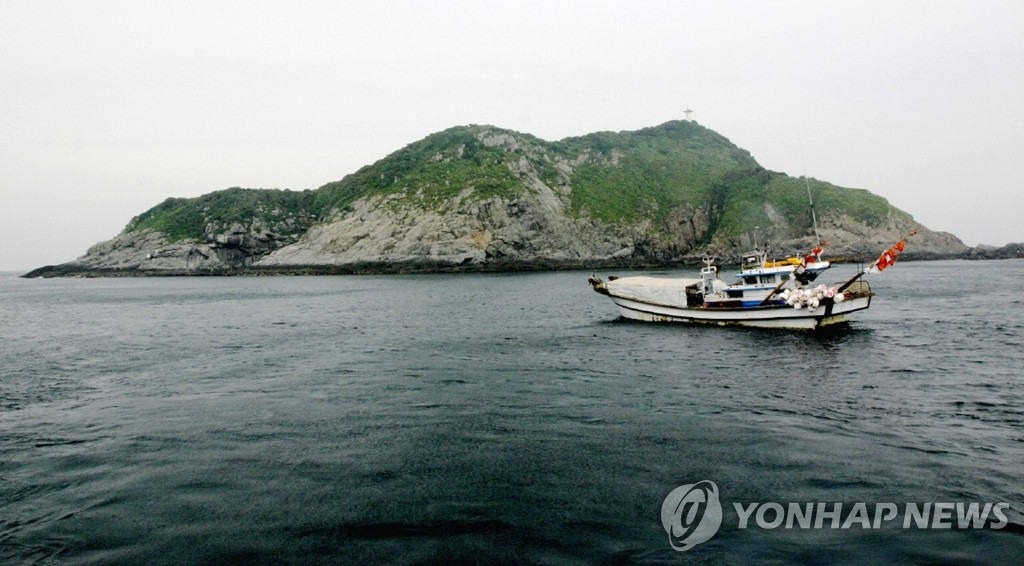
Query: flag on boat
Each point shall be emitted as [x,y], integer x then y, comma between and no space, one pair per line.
[815,255]
[889,256]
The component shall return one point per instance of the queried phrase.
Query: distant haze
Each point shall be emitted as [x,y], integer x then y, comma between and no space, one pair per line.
[107,108]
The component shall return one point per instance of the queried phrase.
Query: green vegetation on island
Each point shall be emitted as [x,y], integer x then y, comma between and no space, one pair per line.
[288,212]
[611,177]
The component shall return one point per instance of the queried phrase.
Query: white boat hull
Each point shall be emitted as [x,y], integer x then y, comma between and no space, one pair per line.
[761,317]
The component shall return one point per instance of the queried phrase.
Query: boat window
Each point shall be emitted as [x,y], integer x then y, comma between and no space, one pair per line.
[767,279]
[752,280]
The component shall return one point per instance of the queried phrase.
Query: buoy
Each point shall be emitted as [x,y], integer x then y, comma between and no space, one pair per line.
[840,297]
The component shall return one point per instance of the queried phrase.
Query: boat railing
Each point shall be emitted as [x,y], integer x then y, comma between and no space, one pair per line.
[858,288]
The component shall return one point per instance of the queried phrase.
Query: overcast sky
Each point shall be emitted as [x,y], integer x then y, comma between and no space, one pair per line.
[109,107]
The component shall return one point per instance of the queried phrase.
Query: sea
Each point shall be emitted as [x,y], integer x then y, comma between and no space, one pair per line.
[505,419]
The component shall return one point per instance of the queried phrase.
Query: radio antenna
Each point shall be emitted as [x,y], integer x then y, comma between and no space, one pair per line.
[807,183]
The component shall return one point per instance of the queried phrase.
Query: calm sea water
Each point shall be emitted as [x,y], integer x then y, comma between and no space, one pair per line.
[492,418]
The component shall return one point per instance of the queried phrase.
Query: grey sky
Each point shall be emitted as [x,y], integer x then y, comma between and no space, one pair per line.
[107,108]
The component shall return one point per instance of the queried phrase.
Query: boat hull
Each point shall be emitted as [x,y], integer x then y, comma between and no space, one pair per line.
[775,316]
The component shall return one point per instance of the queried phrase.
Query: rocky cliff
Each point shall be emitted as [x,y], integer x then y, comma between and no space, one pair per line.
[479,197]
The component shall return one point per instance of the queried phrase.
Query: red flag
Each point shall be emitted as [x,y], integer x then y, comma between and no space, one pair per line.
[889,256]
[815,254]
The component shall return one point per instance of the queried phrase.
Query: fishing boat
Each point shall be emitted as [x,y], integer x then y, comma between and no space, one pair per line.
[765,293]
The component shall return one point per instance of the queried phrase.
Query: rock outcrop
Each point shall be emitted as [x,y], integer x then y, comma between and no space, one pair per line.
[531,229]
[1009,251]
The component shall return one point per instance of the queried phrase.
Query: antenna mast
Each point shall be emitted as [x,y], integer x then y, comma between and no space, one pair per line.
[814,218]
[807,183]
